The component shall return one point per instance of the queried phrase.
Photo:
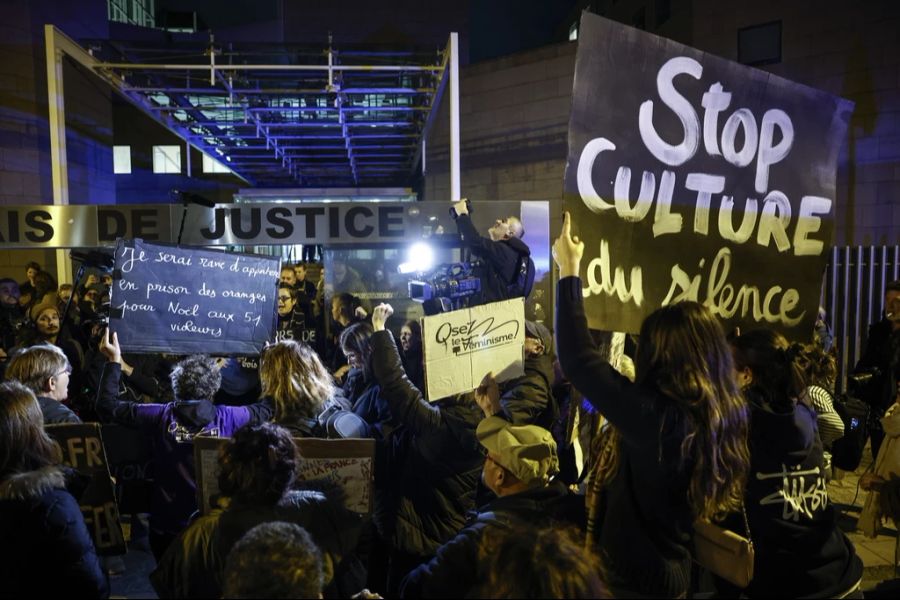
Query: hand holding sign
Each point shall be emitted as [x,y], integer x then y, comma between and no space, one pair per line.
[380,316]
[487,395]
[568,250]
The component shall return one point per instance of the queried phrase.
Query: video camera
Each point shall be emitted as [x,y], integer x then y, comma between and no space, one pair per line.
[448,287]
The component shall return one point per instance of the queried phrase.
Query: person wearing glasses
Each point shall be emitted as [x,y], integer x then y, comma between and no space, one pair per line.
[291,319]
[45,370]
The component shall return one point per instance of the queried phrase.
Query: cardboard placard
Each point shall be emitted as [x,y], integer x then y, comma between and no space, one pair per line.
[462,346]
[82,449]
[348,464]
[183,300]
[690,177]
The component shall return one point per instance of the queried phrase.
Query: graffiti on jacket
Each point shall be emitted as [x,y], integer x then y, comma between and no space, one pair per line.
[802,493]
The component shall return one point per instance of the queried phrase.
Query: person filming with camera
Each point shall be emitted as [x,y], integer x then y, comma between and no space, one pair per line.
[877,373]
[507,270]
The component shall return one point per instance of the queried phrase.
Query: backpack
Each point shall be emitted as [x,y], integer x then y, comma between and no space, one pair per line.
[847,451]
[523,279]
[335,422]
[339,423]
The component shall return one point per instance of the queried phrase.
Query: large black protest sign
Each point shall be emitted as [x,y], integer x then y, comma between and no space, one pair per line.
[186,300]
[692,177]
[82,449]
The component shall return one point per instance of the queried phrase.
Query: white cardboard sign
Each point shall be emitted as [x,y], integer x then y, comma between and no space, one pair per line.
[462,346]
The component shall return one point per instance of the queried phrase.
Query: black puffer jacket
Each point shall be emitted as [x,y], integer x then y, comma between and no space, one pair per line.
[528,400]
[46,548]
[882,357]
[456,569]
[434,469]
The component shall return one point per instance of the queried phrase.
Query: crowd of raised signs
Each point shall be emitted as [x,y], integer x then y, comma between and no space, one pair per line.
[586,477]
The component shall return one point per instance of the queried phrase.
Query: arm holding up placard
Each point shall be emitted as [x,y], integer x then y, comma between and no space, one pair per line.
[439,462]
[109,407]
[133,413]
[612,394]
[406,402]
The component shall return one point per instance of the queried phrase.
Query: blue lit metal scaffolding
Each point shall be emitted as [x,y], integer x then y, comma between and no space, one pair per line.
[282,116]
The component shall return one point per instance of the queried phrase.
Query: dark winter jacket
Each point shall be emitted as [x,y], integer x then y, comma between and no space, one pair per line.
[502,259]
[296,326]
[11,320]
[435,463]
[171,428]
[646,526]
[456,570]
[528,400]
[882,358]
[194,565]
[365,401]
[47,551]
[800,550]
[55,412]
[414,366]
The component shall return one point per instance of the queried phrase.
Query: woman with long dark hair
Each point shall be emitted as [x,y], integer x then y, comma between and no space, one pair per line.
[676,445]
[46,548]
[361,387]
[800,551]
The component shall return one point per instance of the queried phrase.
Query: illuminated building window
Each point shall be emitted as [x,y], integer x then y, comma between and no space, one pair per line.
[213,166]
[167,159]
[122,160]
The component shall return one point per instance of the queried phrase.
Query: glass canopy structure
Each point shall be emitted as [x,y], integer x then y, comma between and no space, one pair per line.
[283,116]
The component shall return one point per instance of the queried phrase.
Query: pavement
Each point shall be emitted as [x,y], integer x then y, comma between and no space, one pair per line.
[879,554]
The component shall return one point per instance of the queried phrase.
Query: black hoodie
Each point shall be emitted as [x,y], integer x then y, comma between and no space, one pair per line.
[800,551]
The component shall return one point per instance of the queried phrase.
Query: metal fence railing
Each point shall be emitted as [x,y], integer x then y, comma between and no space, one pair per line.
[855,282]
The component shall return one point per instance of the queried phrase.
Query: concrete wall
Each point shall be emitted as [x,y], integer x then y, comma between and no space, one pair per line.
[851,50]
[423,24]
[24,131]
[514,110]
[514,117]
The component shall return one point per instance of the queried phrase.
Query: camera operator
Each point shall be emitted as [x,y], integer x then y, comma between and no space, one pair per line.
[881,359]
[508,271]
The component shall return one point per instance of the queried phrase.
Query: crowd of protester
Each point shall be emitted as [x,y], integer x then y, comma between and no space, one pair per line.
[476,495]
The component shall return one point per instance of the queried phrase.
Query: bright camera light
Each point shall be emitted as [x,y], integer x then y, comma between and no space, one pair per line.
[419,259]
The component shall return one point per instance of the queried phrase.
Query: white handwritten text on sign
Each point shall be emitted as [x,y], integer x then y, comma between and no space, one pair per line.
[736,189]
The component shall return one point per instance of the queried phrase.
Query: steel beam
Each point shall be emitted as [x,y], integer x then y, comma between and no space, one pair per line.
[59,169]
